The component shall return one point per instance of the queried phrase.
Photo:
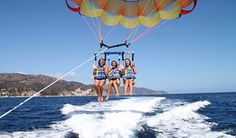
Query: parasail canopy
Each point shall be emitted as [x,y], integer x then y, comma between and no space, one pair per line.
[131,13]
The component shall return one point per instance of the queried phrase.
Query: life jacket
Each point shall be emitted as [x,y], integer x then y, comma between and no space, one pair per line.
[100,73]
[114,73]
[129,73]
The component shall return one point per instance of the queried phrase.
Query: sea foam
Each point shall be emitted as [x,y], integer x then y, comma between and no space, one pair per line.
[184,121]
[118,118]
[124,118]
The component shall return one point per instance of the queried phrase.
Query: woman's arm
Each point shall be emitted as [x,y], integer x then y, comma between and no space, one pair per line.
[121,70]
[134,68]
[106,70]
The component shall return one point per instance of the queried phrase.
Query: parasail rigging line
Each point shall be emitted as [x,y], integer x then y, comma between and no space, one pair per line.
[60,78]
[150,29]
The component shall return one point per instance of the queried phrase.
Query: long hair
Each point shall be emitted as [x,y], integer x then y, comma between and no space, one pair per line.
[114,62]
[100,61]
[128,60]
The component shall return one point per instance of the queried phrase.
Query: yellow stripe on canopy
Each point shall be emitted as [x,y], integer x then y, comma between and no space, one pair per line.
[150,21]
[89,10]
[129,22]
[171,13]
[110,19]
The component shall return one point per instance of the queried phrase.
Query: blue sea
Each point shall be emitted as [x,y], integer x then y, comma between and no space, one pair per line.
[205,115]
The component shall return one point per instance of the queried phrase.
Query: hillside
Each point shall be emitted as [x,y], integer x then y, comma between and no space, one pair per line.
[15,84]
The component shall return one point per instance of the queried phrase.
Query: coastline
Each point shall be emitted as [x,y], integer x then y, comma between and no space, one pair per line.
[51,96]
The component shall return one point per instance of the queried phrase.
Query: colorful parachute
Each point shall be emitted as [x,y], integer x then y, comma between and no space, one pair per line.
[131,13]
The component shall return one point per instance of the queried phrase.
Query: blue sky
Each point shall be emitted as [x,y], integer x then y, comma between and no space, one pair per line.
[195,53]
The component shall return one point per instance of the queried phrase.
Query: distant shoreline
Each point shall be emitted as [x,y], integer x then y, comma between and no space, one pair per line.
[74,96]
[118,96]
[26,85]
[43,96]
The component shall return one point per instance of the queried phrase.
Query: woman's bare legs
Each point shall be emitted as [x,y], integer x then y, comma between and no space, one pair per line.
[115,84]
[125,86]
[131,87]
[101,86]
[97,89]
[109,89]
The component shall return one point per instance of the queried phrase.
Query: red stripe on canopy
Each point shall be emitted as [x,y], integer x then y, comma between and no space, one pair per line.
[188,11]
[71,8]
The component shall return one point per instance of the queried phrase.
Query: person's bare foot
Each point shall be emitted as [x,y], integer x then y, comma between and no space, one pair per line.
[107,98]
[125,93]
[101,99]
[98,98]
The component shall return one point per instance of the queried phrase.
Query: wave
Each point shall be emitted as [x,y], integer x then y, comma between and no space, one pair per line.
[184,121]
[118,118]
[129,117]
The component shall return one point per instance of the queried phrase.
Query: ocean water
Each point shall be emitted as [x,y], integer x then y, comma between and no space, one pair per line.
[162,116]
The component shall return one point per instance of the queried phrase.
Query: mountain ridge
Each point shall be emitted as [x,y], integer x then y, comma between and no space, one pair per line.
[16,84]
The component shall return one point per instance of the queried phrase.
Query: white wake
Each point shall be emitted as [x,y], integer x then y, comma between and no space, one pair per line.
[118,118]
[111,119]
[124,118]
[184,121]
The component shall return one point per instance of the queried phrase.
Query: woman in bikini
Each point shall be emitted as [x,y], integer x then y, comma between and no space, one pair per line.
[114,74]
[129,72]
[100,73]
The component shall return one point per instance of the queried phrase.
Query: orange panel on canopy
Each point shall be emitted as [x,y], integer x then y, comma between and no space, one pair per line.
[184,3]
[132,13]
[77,2]
[162,4]
[100,3]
